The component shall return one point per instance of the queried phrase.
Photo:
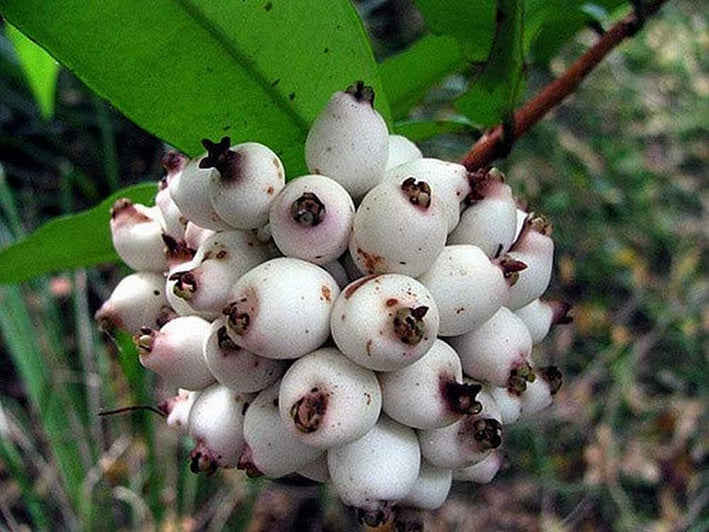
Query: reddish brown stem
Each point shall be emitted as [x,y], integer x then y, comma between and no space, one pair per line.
[491,145]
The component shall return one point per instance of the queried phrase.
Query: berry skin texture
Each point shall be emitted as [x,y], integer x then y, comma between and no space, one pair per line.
[349,141]
[137,301]
[490,221]
[216,423]
[326,400]
[401,150]
[175,352]
[190,191]
[246,180]
[429,393]
[431,488]
[467,287]
[271,450]
[235,367]
[311,219]
[483,472]
[448,182]
[540,393]
[281,309]
[384,322]
[540,315]
[398,228]
[136,231]
[497,352]
[376,470]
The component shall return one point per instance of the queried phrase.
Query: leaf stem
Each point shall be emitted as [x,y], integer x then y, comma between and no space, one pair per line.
[493,144]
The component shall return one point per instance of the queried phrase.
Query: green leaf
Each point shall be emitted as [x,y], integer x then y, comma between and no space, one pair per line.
[470,22]
[188,69]
[408,76]
[67,242]
[494,93]
[418,130]
[40,69]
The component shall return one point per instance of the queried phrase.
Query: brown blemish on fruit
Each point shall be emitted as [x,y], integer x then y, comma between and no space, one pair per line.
[326,293]
[372,262]
[308,412]
[355,285]
[369,398]
[269,191]
[391,302]
[368,347]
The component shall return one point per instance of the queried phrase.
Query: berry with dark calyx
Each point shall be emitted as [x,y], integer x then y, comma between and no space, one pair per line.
[137,301]
[349,141]
[174,163]
[465,442]
[220,261]
[540,393]
[271,450]
[326,400]
[490,219]
[281,308]
[429,393]
[136,231]
[376,470]
[384,322]
[235,367]
[497,352]
[541,314]
[448,181]
[175,352]
[190,191]
[535,248]
[248,177]
[398,228]
[467,286]
[311,219]
[401,150]
[216,423]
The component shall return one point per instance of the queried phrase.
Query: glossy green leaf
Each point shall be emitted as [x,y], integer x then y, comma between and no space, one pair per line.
[494,92]
[188,69]
[470,22]
[40,69]
[418,130]
[71,241]
[408,76]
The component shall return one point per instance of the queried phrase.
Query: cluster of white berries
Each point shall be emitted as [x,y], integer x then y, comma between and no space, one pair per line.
[369,325]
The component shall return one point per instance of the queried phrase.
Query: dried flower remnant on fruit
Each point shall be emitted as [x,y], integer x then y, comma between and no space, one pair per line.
[418,192]
[519,377]
[460,397]
[361,92]
[308,412]
[238,321]
[553,376]
[308,210]
[487,433]
[185,284]
[408,324]
[220,157]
